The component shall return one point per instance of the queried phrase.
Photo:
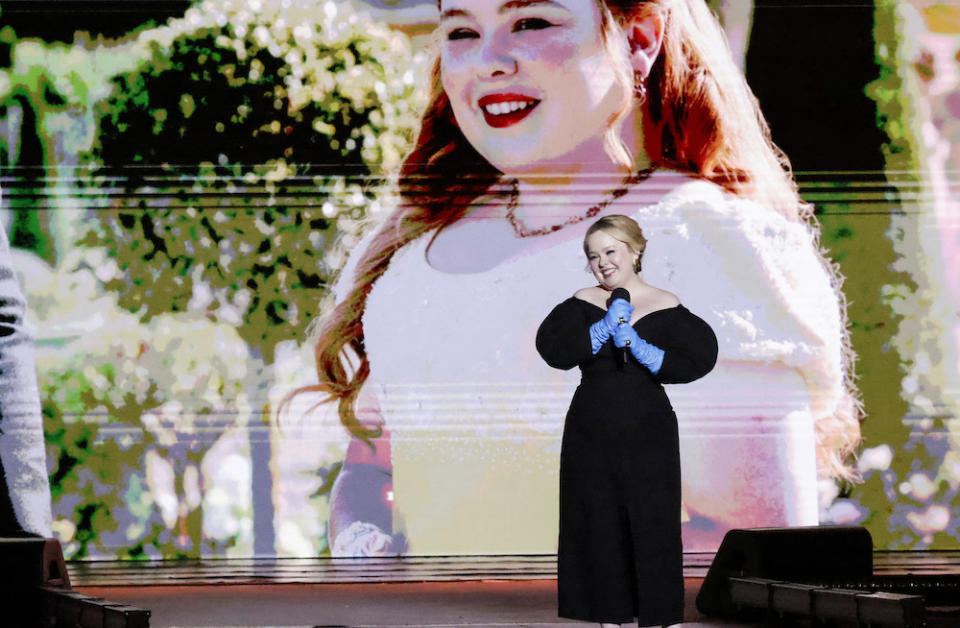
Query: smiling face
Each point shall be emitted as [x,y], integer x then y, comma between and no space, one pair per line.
[531,83]
[611,261]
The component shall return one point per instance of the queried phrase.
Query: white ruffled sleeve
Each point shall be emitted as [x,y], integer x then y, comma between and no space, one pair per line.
[760,282]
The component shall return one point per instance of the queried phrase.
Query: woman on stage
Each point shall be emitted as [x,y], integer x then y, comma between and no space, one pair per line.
[620,554]
[545,115]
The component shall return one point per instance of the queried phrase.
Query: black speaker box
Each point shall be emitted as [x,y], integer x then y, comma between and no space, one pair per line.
[819,554]
[28,562]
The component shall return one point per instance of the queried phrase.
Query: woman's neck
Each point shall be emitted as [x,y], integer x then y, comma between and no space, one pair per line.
[554,193]
[634,285]
[544,200]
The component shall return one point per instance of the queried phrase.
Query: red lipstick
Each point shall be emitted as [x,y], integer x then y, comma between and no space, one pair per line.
[503,110]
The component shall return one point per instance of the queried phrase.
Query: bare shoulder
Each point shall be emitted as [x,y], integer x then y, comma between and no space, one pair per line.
[666,299]
[593,294]
[656,299]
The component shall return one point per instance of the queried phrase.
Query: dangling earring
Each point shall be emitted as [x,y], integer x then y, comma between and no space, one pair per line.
[639,87]
[636,264]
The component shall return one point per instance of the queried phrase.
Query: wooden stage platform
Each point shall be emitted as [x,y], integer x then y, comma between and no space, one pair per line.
[477,592]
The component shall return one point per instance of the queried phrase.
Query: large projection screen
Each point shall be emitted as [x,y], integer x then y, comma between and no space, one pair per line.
[188,195]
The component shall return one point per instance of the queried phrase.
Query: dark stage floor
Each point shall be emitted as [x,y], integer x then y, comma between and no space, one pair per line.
[502,593]
[500,603]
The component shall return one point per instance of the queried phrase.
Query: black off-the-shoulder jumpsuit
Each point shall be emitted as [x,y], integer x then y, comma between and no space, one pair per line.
[620,554]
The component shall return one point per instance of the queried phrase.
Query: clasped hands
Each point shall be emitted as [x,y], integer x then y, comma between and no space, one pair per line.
[616,324]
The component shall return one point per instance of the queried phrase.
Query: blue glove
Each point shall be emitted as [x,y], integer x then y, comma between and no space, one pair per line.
[601,330]
[643,352]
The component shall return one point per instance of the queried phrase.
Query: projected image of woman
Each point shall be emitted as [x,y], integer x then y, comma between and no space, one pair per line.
[545,115]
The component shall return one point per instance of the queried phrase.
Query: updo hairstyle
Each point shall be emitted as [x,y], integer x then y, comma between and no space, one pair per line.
[624,229]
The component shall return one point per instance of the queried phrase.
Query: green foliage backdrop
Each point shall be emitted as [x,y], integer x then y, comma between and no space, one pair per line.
[237,151]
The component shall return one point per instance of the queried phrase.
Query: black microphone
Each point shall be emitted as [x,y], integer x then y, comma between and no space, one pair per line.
[621,293]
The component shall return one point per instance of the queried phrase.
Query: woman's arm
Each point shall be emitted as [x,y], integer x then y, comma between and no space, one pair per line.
[563,339]
[690,351]
[749,430]
[762,285]
[361,503]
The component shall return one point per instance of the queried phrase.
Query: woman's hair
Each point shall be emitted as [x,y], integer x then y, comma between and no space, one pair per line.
[624,229]
[699,117]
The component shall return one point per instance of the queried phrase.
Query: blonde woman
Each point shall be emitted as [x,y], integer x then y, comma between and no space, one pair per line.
[545,115]
[619,553]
